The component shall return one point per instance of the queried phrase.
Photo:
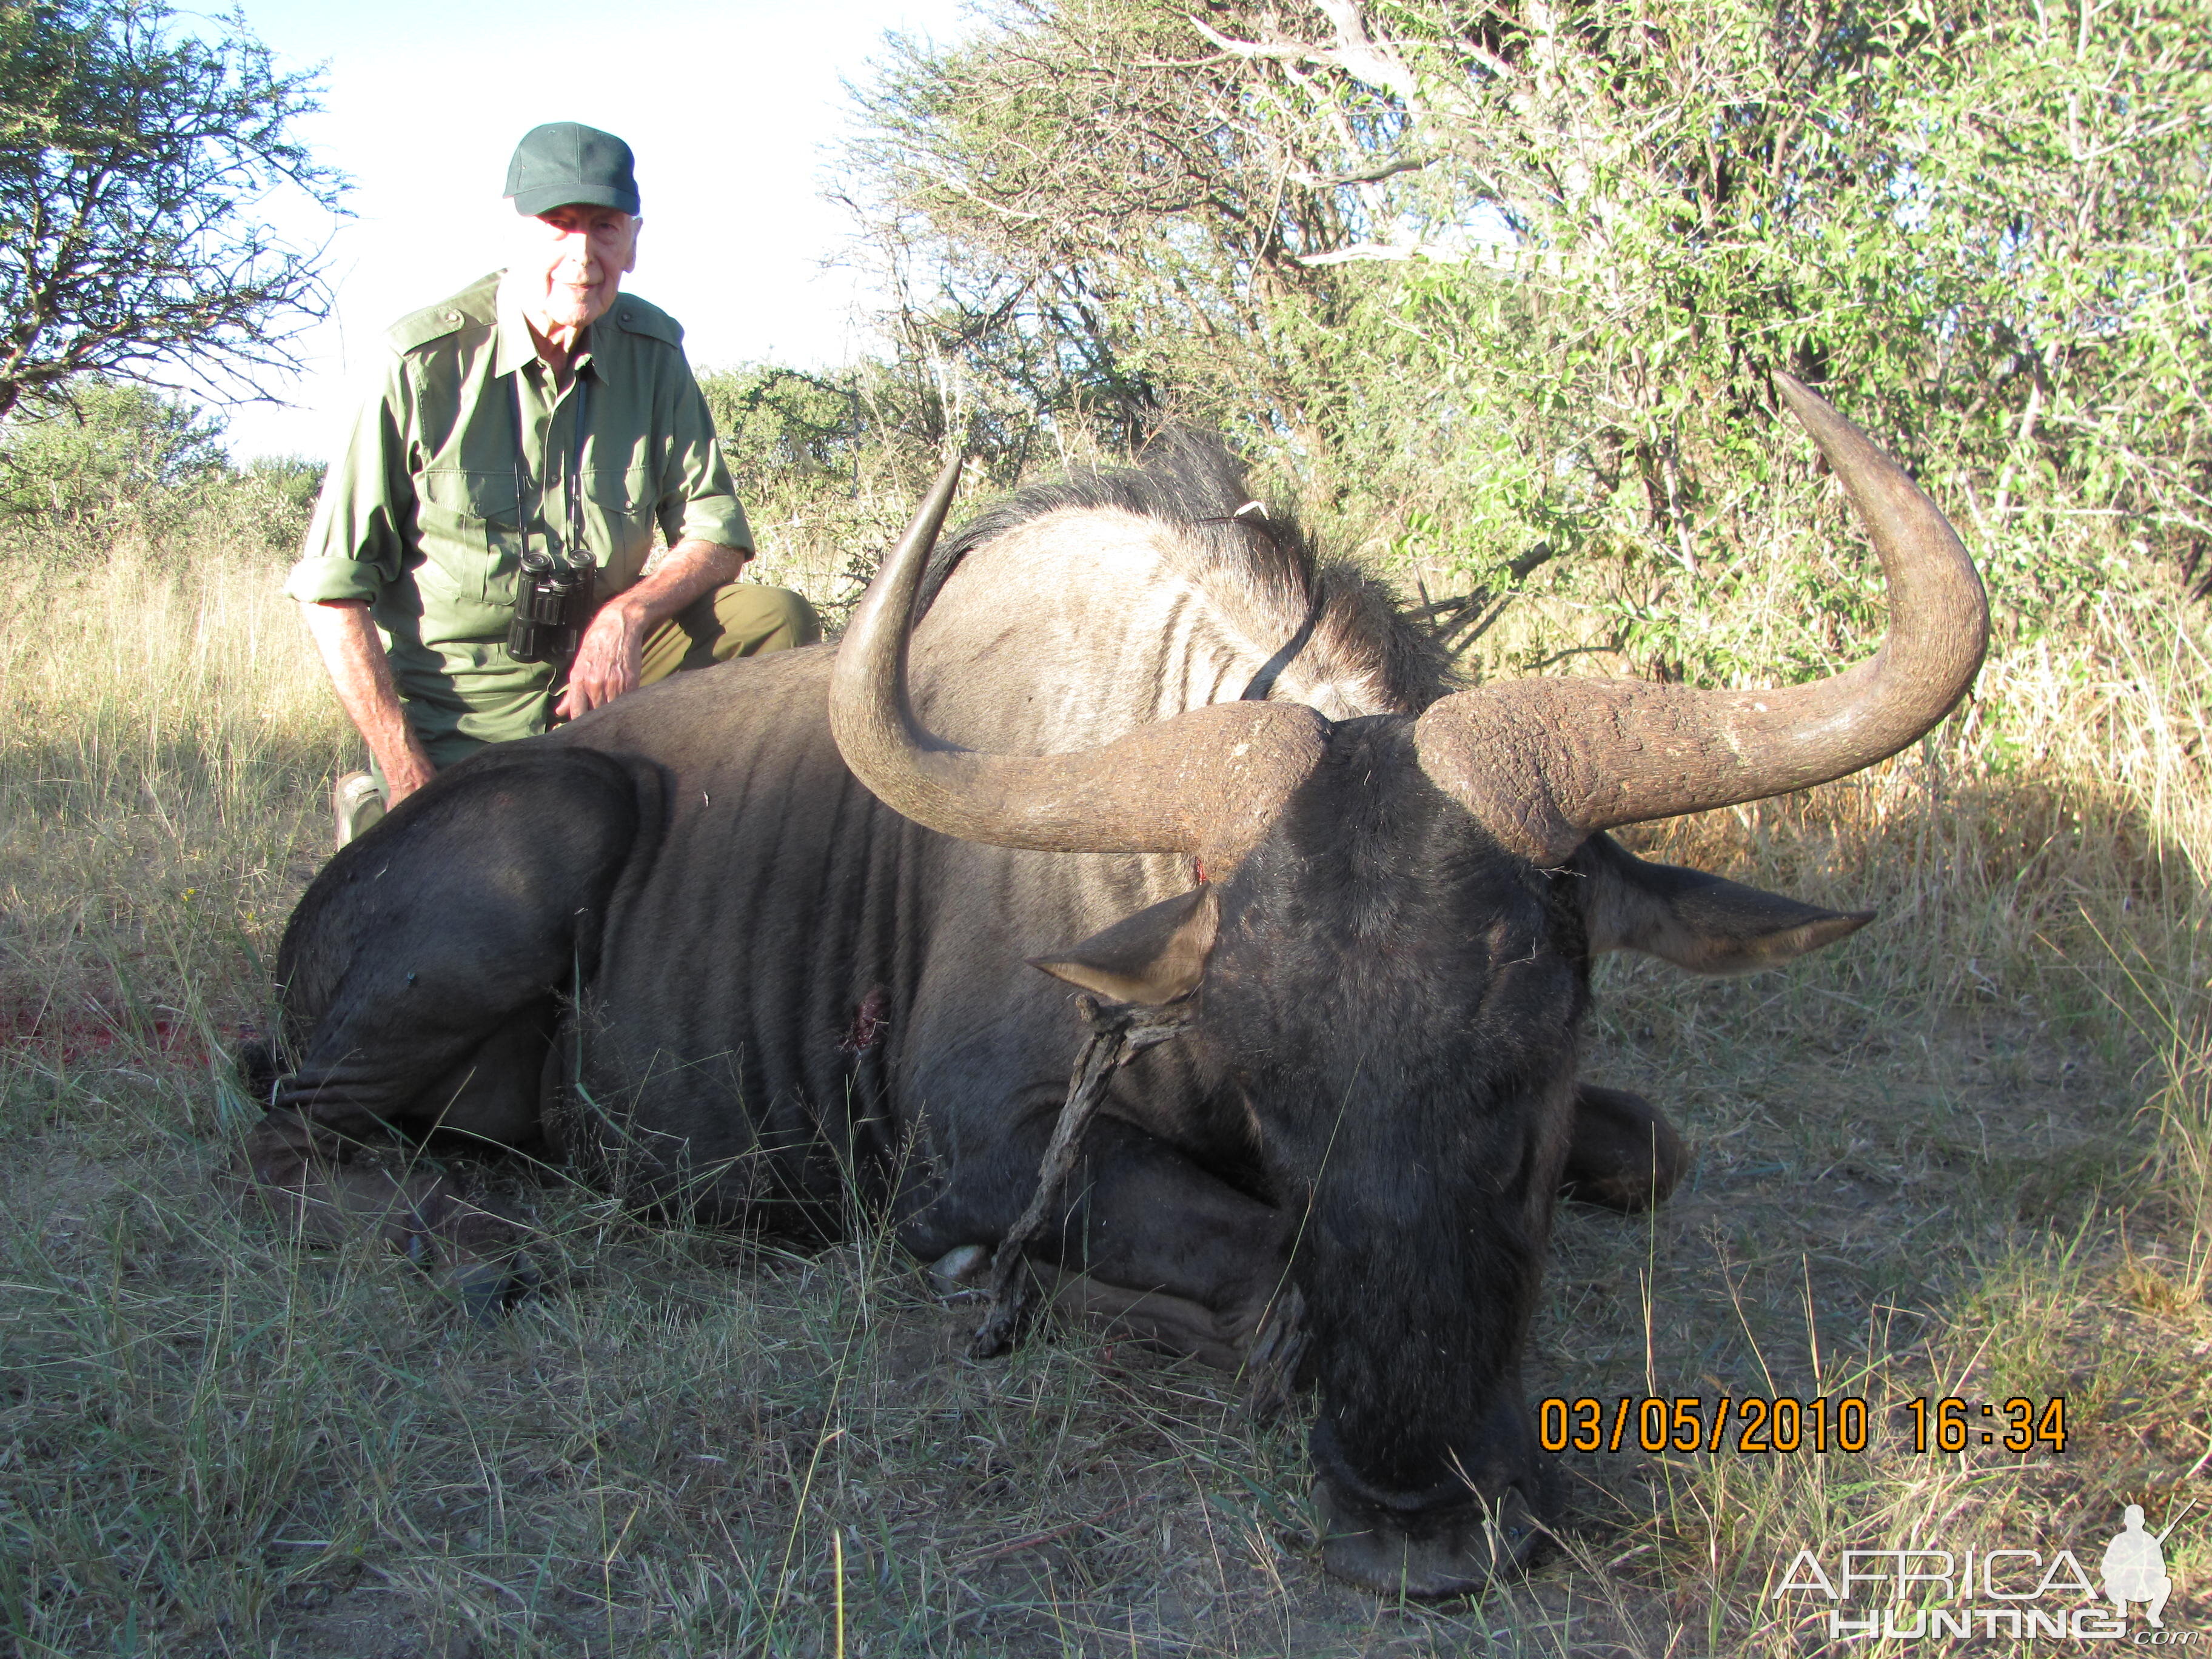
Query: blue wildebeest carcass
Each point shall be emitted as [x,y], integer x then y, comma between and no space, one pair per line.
[753,940]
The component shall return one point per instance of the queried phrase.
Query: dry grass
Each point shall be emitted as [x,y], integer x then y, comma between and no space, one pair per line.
[1967,1151]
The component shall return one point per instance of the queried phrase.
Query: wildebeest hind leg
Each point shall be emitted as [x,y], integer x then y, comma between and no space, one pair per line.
[494,1096]
[419,976]
[306,1174]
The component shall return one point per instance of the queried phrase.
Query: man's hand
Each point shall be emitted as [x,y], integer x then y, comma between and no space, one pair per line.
[608,658]
[609,655]
[405,774]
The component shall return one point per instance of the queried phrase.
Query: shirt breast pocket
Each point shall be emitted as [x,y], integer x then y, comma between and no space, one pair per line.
[622,501]
[472,529]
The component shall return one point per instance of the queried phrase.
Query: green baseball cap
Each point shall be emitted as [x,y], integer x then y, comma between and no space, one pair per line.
[565,161]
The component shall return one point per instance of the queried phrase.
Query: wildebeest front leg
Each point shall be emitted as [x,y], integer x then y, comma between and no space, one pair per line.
[1624,1154]
[1151,1241]
[1144,1242]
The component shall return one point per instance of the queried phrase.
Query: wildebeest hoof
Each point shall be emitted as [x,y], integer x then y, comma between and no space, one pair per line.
[960,1271]
[1461,1556]
[486,1290]
[1624,1154]
[1277,1354]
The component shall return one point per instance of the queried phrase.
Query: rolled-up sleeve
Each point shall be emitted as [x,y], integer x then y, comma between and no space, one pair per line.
[698,502]
[356,543]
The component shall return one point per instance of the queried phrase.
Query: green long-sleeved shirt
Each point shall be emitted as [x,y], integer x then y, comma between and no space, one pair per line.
[422,515]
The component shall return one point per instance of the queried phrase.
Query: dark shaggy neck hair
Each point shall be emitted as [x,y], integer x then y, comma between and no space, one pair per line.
[1346,626]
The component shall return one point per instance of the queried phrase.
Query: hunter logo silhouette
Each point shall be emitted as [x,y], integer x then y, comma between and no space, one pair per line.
[2135,1567]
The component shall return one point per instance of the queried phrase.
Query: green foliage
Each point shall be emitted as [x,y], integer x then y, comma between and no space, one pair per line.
[784,427]
[1498,279]
[111,444]
[1085,218]
[135,164]
[783,422]
[123,462]
[294,481]
[827,466]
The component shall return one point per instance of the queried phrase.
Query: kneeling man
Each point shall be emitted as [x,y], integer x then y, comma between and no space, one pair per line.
[476,567]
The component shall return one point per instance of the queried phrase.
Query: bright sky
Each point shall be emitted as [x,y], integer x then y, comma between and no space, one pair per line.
[730,106]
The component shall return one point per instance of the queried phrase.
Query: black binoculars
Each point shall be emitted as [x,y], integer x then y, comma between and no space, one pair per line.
[552,607]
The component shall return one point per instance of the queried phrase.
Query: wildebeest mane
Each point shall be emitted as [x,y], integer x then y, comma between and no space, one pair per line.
[1260,568]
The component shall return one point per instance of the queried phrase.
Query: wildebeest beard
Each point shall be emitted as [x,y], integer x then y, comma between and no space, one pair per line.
[1396,999]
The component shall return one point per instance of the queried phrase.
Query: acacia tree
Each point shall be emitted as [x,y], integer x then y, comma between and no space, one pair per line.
[1511,272]
[136,161]
[1982,223]
[1270,209]
[1106,216]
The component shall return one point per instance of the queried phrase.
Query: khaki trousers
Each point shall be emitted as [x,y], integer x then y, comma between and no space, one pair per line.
[740,620]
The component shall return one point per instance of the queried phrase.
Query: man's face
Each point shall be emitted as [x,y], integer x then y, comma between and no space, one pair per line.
[570,262]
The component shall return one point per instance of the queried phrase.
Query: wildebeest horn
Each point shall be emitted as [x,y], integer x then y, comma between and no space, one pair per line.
[1208,782]
[1544,762]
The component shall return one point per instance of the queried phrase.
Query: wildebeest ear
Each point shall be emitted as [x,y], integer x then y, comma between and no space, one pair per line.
[1695,920]
[1153,958]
